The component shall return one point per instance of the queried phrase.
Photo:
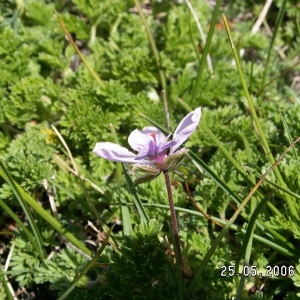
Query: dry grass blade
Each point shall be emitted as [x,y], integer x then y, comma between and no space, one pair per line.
[75,169]
[208,58]
[261,17]
[69,37]
[67,148]
[208,217]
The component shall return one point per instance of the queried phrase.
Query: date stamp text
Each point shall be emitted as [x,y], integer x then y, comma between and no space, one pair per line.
[269,271]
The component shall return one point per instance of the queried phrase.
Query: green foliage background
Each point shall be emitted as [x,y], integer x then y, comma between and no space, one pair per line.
[44,83]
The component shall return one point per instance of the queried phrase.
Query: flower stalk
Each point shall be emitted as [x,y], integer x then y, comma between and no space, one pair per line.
[177,249]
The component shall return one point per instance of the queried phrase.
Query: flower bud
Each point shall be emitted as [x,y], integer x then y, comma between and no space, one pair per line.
[173,160]
[145,178]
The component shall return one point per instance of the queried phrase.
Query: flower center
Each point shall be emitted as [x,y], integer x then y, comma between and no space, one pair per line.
[158,156]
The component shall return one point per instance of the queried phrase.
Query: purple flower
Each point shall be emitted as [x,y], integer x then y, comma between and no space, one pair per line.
[155,152]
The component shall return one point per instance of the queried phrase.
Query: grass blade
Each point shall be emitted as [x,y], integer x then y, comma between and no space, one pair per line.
[88,266]
[213,22]
[156,56]
[26,198]
[22,202]
[261,134]
[272,244]
[217,241]
[20,224]
[276,29]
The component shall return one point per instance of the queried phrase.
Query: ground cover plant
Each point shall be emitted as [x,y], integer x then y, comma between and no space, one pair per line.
[220,77]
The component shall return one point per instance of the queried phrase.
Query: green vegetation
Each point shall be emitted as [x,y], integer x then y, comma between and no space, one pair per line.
[55,107]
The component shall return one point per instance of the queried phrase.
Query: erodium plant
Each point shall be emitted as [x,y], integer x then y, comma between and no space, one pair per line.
[156,154]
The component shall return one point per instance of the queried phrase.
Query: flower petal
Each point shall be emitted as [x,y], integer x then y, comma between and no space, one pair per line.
[186,127]
[114,152]
[147,151]
[138,139]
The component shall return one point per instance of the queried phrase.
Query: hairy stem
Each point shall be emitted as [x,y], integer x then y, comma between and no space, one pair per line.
[174,223]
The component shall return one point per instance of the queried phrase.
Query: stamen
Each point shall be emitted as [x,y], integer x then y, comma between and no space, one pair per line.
[153,134]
